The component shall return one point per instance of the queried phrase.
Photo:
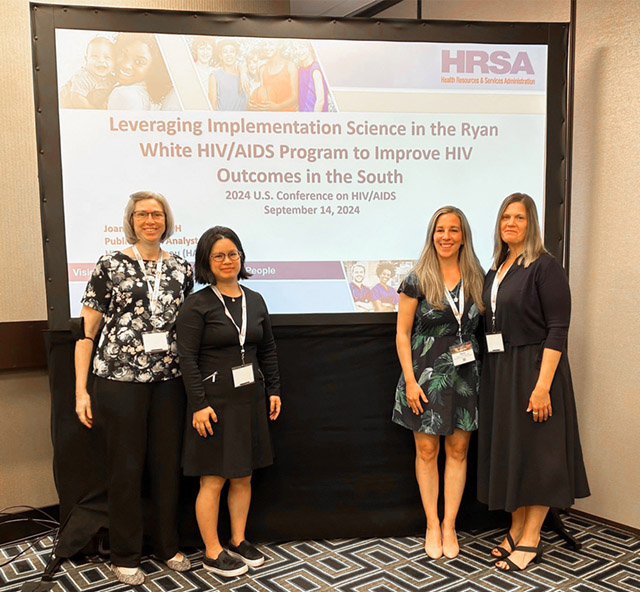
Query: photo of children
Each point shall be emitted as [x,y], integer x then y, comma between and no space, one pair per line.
[127,71]
[313,93]
[226,91]
[143,82]
[90,86]
[124,71]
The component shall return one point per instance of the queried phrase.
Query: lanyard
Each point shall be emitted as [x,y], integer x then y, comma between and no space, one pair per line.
[155,291]
[242,331]
[494,293]
[457,312]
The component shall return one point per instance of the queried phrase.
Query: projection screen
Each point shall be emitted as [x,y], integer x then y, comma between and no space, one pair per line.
[326,155]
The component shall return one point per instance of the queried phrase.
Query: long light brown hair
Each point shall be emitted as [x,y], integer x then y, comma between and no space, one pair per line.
[427,269]
[533,245]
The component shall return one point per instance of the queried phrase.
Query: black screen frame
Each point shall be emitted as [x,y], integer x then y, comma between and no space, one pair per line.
[45,19]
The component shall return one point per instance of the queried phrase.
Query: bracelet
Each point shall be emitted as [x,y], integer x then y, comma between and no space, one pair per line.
[89,338]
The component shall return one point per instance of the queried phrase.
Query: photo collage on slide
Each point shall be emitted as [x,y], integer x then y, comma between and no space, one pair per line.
[145,72]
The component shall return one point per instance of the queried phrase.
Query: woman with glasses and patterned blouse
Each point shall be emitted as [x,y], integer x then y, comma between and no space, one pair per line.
[137,399]
[229,367]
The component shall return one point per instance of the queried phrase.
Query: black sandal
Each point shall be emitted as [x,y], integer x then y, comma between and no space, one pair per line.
[503,553]
[511,566]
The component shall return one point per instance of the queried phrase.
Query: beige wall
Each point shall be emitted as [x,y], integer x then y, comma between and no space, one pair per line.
[25,440]
[605,255]
[605,280]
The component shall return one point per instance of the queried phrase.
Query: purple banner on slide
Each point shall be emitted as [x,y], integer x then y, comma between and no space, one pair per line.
[295,270]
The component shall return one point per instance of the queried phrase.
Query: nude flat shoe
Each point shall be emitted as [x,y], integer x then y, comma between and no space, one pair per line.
[451,551]
[435,551]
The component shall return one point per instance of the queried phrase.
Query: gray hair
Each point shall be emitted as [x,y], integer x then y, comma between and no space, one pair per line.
[533,245]
[134,198]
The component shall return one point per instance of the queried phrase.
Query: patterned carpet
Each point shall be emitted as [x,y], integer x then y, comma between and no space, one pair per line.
[608,561]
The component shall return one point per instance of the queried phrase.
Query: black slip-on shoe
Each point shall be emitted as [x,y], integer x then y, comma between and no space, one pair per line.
[225,565]
[246,552]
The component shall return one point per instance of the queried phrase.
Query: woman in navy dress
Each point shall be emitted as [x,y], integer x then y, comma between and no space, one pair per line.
[529,453]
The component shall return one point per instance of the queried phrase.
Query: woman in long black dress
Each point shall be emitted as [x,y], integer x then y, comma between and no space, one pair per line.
[437,394]
[529,454]
[228,359]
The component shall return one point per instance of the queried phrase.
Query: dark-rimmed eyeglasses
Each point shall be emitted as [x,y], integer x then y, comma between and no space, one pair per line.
[220,257]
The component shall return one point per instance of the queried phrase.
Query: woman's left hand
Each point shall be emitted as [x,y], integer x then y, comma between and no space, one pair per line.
[274,408]
[540,404]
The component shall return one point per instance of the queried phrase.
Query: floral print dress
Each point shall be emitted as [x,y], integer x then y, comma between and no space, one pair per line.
[452,391]
[118,289]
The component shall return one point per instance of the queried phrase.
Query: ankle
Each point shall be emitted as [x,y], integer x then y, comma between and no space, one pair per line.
[433,525]
[213,551]
[529,541]
[448,526]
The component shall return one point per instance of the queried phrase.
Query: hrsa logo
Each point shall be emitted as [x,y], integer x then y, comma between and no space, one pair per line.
[472,61]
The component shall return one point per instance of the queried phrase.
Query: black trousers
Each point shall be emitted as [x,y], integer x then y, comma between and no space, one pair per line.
[143,425]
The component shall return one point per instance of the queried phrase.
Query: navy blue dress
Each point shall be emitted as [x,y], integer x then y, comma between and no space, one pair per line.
[522,462]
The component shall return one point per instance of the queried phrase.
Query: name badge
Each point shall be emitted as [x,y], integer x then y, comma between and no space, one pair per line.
[494,343]
[243,375]
[156,341]
[462,353]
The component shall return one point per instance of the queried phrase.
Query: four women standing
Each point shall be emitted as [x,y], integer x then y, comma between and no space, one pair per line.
[529,448]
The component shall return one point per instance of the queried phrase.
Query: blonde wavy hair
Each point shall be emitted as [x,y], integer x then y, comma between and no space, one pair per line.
[427,269]
[533,245]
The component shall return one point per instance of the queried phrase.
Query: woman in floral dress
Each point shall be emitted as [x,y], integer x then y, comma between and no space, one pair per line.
[137,399]
[437,394]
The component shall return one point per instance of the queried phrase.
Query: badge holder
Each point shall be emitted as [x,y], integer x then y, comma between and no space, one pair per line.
[243,375]
[155,341]
[462,353]
[495,345]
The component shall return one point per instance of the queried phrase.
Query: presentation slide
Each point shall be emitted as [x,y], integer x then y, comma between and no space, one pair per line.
[327,157]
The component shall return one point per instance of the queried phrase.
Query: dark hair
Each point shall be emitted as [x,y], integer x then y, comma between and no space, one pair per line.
[385,265]
[157,81]
[204,275]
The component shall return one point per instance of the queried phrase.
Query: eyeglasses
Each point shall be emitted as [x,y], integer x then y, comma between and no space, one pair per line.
[140,216]
[220,257]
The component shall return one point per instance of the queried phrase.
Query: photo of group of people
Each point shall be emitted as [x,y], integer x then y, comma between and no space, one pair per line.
[374,284]
[260,74]
[128,71]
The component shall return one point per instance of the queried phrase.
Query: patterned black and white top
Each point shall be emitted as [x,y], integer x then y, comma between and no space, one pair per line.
[118,289]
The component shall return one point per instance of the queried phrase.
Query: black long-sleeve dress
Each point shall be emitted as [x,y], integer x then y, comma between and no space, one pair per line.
[522,462]
[207,345]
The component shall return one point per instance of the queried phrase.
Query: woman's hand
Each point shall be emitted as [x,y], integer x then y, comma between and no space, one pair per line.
[274,407]
[540,404]
[415,395]
[83,408]
[202,421]
[263,106]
